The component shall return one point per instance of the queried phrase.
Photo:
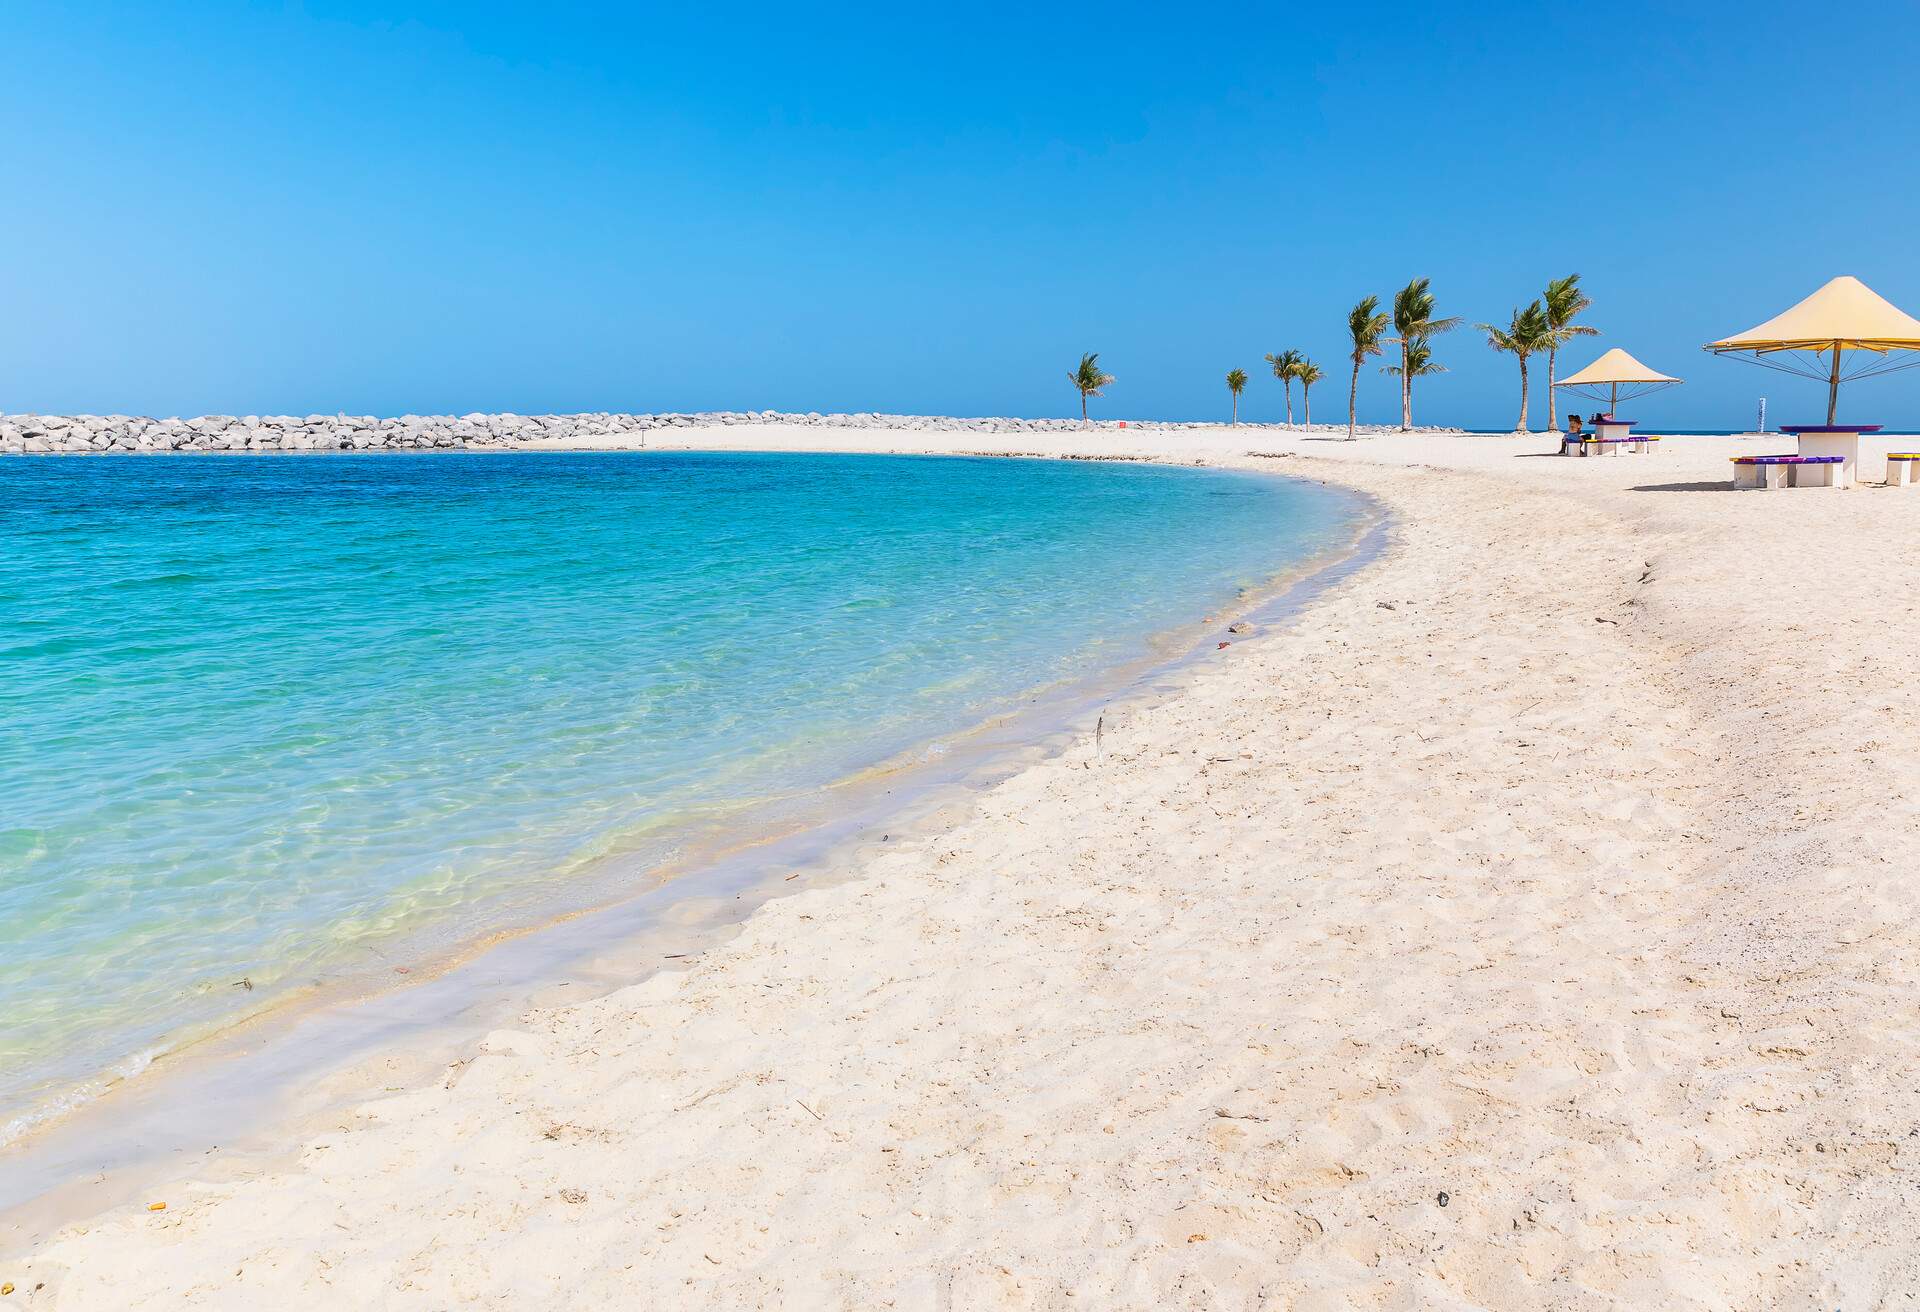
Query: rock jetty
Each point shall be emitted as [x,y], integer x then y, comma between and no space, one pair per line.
[103,434]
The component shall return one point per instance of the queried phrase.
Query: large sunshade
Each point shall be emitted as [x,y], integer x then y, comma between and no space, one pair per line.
[1616,366]
[1614,375]
[1844,315]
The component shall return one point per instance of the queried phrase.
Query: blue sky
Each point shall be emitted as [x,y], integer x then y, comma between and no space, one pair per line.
[462,206]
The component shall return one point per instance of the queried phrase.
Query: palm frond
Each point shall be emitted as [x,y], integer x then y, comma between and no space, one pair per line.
[1088,379]
[1366,324]
[1526,334]
[1413,307]
[1284,363]
[1564,300]
[1420,361]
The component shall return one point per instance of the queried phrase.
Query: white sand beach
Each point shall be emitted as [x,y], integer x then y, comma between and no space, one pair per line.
[1533,923]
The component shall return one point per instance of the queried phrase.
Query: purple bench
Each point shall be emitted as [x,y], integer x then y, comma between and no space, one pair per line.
[1785,471]
[1585,445]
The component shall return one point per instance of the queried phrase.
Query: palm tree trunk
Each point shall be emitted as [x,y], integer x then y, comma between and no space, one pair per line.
[1353,400]
[1306,399]
[1234,422]
[1083,409]
[1523,396]
[1553,402]
[1288,384]
[1406,386]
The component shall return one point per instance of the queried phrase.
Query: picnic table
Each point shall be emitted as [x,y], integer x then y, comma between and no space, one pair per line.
[1841,440]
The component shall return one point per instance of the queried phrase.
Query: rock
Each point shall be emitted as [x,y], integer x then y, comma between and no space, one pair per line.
[33,434]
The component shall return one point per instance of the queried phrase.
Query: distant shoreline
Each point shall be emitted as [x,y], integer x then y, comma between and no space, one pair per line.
[35,434]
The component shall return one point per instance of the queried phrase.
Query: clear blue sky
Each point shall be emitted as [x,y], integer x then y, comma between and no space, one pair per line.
[462,206]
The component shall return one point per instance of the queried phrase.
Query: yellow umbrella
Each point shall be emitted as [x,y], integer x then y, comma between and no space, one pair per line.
[1844,315]
[1613,371]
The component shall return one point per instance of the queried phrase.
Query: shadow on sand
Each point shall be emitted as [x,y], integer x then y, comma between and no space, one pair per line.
[1723,485]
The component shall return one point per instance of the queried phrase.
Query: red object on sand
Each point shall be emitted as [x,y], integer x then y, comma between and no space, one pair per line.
[1123,423]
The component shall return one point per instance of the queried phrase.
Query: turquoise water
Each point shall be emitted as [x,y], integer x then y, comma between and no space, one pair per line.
[267,721]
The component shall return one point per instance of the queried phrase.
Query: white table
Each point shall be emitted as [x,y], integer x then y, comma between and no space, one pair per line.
[1841,440]
[1608,427]
[1607,436]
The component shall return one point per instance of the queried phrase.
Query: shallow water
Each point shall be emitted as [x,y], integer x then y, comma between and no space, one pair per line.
[264,721]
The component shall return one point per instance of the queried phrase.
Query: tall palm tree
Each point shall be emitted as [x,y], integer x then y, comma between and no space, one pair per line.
[1413,320]
[1284,365]
[1236,383]
[1563,301]
[1366,322]
[1308,373]
[1527,334]
[1088,380]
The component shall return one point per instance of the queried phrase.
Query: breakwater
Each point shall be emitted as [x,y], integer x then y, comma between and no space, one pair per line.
[28,434]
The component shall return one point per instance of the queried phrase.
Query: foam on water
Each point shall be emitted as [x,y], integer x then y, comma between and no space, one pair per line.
[267,722]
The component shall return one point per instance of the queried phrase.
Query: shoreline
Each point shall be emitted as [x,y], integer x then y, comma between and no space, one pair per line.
[1506,932]
[238,1075]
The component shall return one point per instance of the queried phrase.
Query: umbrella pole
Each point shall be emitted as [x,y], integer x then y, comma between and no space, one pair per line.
[1613,399]
[1833,385]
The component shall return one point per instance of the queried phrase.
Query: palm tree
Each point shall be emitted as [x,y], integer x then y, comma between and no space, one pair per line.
[1413,320]
[1236,383]
[1308,373]
[1088,380]
[1365,324]
[1416,362]
[1284,365]
[1563,301]
[1526,334]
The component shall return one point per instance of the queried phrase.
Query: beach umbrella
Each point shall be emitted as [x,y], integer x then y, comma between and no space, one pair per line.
[1614,375]
[1844,316]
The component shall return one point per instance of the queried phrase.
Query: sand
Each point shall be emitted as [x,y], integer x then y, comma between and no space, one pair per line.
[1531,924]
